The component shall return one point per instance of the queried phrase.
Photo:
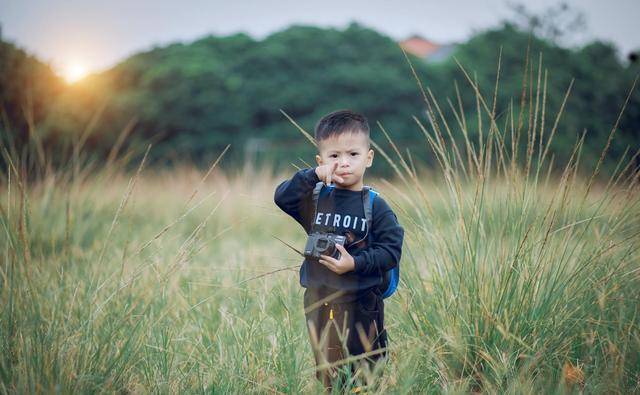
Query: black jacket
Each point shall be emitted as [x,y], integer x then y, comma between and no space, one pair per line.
[343,209]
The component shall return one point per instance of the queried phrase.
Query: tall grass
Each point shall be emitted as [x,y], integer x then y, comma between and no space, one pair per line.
[119,289]
[516,277]
[523,282]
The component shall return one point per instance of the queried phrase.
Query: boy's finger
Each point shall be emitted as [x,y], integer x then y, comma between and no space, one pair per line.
[325,263]
[328,259]
[338,178]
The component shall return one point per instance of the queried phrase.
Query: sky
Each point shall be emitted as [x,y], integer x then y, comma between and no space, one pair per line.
[77,37]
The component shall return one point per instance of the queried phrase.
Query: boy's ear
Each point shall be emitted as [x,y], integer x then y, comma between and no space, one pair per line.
[369,158]
[319,160]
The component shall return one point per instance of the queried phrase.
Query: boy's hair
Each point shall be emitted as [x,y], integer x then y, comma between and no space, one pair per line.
[339,122]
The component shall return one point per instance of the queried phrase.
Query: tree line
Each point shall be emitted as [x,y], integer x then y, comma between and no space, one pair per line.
[192,99]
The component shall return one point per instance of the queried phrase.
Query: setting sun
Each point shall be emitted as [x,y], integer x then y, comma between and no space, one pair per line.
[74,72]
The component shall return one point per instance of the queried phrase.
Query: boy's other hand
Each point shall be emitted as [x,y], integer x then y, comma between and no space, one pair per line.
[326,173]
[339,266]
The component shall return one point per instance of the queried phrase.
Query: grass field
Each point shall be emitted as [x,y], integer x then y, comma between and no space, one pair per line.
[514,278]
[143,283]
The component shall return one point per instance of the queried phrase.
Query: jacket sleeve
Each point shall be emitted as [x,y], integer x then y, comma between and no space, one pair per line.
[386,249]
[293,196]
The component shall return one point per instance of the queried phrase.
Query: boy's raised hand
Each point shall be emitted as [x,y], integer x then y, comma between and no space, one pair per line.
[326,173]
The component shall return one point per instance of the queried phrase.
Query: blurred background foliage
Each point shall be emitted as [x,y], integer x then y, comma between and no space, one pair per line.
[192,99]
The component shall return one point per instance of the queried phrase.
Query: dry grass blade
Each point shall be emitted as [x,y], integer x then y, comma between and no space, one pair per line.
[115,150]
[304,132]
[215,163]
[167,227]
[555,125]
[390,161]
[395,148]
[451,139]
[288,245]
[611,134]
[123,203]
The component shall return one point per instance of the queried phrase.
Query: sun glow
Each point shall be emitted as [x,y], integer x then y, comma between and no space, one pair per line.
[74,71]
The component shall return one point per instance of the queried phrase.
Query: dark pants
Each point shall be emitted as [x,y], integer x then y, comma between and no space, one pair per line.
[339,330]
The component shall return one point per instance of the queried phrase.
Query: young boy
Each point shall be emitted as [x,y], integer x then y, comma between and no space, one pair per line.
[343,297]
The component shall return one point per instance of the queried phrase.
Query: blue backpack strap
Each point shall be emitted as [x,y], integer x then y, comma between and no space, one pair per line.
[392,277]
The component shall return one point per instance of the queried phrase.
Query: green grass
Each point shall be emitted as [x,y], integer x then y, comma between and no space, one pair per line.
[516,277]
[497,298]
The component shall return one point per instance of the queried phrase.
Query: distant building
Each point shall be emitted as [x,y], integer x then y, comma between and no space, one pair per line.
[426,49]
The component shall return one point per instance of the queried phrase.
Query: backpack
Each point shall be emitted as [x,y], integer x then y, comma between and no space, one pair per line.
[391,278]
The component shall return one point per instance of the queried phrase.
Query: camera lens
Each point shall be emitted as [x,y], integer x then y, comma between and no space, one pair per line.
[321,244]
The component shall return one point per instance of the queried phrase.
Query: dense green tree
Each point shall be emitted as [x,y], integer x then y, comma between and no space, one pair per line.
[27,86]
[193,99]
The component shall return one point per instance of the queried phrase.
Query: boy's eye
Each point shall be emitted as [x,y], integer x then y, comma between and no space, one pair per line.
[354,154]
[333,156]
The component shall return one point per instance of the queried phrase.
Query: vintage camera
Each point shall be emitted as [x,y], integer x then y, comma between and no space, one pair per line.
[319,243]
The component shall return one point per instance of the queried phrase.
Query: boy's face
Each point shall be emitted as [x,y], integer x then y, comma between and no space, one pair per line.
[351,151]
